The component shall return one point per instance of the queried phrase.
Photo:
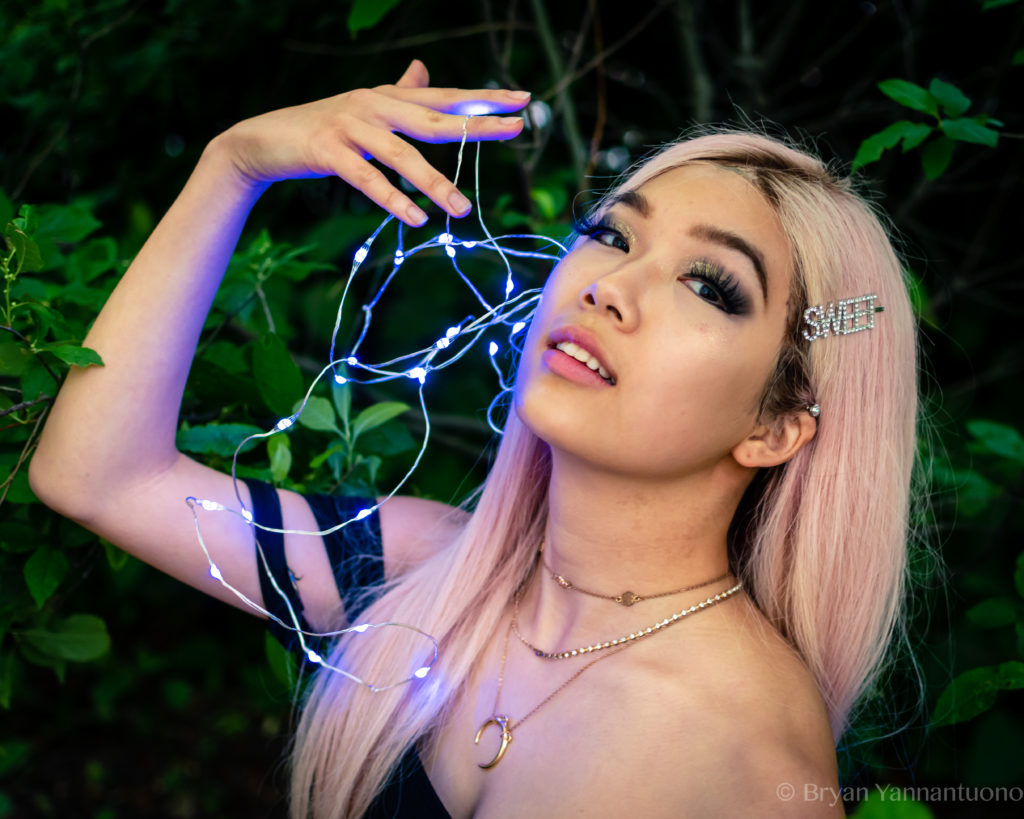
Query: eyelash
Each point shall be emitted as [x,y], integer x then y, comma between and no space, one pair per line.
[732,301]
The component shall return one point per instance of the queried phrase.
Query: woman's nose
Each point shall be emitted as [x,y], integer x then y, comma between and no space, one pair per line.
[613,296]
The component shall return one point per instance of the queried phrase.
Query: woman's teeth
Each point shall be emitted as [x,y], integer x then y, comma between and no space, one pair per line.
[583,357]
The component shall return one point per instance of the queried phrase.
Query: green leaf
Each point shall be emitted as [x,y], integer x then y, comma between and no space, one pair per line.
[375,415]
[116,558]
[65,223]
[279,449]
[910,95]
[318,414]
[367,13]
[871,149]
[341,394]
[995,612]
[888,802]
[18,537]
[935,157]
[953,101]
[6,678]
[36,381]
[318,460]
[6,209]
[282,663]
[13,754]
[27,258]
[1018,57]
[44,571]
[14,358]
[967,130]
[994,4]
[216,439]
[974,692]
[93,259]
[278,378]
[388,439]
[76,355]
[998,439]
[78,638]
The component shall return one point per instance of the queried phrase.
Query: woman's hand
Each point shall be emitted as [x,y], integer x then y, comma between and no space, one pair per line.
[340,135]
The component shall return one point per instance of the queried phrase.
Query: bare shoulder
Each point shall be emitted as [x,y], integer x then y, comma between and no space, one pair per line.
[775,753]
[414,529]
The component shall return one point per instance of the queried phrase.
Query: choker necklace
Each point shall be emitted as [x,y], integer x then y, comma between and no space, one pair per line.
[505,723]
[626,639]
[627,598]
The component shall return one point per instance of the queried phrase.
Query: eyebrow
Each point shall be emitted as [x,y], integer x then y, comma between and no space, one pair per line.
[638,202]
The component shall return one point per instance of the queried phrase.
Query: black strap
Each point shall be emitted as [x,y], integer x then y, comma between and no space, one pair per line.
[266,509]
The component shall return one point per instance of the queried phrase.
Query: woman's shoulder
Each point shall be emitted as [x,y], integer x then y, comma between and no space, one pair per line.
[771,734]
[414,529]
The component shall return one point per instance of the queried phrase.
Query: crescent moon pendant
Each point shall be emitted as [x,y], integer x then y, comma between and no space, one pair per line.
[505,725]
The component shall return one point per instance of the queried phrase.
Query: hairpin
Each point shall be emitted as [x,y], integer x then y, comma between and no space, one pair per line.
[841,318]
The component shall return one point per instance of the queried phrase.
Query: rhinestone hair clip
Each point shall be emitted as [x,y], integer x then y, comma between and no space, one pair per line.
[841,318]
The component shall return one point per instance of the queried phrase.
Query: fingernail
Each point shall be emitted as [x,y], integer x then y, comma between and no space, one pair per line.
[519,95]
[458,202]
[510,121]
[414,215]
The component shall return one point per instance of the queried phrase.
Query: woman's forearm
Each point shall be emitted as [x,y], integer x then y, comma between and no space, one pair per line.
[117,422]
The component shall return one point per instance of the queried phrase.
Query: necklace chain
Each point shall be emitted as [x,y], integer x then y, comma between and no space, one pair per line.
[625,639]
[626,598]
[505,724]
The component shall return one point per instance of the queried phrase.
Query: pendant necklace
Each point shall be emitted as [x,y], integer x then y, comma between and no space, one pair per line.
[505,723]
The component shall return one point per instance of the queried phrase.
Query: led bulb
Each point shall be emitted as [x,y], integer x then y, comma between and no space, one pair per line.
[450,251]
[451,332]
[492,348]
[363,513]
[399,257]
[518,326]
[351,361]
[210,506]
[361,627]
[215,572]
[469,245]
[247,515]
[361,254]
[418,373]
[314,657]
[445,238]
[421,672]
[509,287]
[340,379]
[284,423]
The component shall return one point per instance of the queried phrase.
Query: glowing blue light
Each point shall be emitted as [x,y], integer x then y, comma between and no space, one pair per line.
[509,286]
[399,257]
[247,515]
[450,251]
[340,379]
[351,361]
[215,572]
[451,332]
[492,348]
[361,254]
[418,373]
[210,506]
[442,343]
[363,513]
[361,627]
[518,326]
[469,245]
[421,672]
[284,423]
[445,238]
[314,657]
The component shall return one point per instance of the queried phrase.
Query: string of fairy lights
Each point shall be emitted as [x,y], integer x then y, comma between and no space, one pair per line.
[507,316]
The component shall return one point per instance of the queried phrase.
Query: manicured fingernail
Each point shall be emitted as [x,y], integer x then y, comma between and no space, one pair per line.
[519,95]
[511,121]
[414,215]
[458,202]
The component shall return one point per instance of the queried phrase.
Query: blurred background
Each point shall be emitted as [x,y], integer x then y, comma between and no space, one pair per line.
[124,694]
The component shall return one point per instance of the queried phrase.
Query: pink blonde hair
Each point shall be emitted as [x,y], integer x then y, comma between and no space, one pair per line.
[821,541]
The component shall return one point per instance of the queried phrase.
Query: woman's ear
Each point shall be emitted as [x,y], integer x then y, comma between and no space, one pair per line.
[771,445]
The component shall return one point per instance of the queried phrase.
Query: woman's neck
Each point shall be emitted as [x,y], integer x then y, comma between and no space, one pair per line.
[609,534]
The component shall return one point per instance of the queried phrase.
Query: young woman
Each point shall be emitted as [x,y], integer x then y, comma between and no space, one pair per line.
[687,562]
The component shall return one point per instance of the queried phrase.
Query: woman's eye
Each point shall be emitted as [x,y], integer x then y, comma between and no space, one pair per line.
[611,238]
[705,291]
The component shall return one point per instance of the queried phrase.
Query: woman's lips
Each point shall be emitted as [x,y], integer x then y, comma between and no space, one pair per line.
[569,368]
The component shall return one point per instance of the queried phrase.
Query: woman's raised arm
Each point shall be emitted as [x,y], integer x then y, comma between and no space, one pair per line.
[107,456]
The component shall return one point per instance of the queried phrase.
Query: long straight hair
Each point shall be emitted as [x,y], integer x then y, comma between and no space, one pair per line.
[820,542]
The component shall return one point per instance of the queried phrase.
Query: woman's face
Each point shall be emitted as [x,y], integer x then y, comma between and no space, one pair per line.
[678,296]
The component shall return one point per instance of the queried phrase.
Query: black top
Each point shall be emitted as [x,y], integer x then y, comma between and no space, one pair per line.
[358,565]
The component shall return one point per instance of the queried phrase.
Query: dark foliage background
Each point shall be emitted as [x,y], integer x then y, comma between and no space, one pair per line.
[124,694]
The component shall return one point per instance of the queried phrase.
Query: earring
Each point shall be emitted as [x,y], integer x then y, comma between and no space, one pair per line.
[814,410]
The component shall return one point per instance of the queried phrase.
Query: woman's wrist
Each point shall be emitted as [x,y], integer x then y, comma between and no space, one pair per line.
[220,158]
